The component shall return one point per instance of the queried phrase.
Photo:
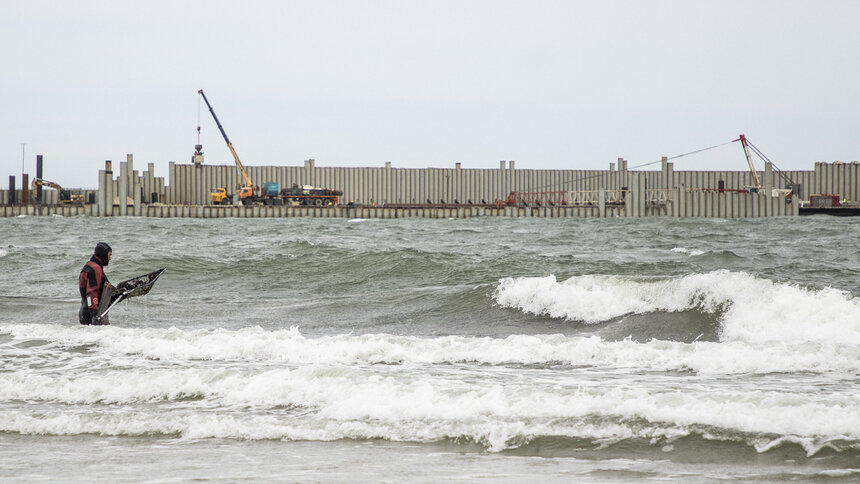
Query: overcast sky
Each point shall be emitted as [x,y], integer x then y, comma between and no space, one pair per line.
[550,84]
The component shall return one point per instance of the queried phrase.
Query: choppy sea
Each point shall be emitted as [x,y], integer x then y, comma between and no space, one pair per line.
[478,350]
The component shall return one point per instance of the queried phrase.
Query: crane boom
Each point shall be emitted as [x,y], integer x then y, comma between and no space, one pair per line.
[245,178]
[744,143]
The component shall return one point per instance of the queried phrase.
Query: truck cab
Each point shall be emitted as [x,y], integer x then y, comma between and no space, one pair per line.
[219,196]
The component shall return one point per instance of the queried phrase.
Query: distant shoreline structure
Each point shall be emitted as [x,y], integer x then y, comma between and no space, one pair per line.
[389,192]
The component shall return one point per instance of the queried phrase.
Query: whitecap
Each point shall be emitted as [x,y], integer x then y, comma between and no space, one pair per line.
[751,309]
[684,250]
[290,347]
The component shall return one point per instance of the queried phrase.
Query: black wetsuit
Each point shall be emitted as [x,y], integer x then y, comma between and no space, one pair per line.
[91,284]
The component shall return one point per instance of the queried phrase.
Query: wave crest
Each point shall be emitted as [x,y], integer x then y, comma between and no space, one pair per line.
[751,309]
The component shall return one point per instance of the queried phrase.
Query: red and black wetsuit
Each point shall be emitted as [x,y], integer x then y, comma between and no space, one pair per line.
[91,283]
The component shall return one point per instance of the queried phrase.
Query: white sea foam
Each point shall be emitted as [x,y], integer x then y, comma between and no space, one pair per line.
[684,250]
[292,348]
[839,472]
[3,252]
[320,402]
[751,309]
[260,384]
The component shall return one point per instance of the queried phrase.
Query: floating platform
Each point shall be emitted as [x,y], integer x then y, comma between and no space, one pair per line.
[834,211]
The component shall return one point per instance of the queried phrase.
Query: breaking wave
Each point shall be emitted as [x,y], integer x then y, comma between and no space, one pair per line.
[423,403]
[751,309]
[291,347]
[691,252]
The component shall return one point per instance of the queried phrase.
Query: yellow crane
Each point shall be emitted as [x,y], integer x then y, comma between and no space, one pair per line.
[247,191]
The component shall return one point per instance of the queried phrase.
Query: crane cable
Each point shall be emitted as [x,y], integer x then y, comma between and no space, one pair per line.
[761,155]
[198,120]
[637,166]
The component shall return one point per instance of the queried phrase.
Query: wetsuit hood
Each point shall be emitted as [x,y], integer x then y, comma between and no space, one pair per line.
[101,252]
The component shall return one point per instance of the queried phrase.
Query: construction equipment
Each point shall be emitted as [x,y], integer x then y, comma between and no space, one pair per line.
[308,195]
[66,196]
[825,200]
[197,157]
[246,190]
[271,194]
[537,199]
[219,196]
[755,179]
[757,187]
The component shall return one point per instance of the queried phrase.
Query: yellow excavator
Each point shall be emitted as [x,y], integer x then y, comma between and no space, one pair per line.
[246,191]
[66,196]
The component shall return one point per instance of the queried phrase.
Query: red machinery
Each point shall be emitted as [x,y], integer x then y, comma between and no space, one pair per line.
[824,200]
[537,198]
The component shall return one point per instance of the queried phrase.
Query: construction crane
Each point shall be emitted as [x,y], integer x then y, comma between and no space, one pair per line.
[65,195]
[757,187]
[756,182]
[247,190]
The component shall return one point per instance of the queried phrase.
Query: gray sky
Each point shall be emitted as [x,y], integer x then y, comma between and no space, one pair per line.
[550,84]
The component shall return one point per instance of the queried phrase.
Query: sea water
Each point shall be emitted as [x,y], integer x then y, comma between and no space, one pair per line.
[479,350]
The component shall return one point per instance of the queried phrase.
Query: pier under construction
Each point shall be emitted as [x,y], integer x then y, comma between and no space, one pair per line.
[455,192]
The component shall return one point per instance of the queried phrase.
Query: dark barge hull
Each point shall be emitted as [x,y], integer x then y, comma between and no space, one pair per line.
[836,211]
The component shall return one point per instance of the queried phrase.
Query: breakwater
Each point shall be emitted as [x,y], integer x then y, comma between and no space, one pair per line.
[388,192]
[189,211]
[697,203]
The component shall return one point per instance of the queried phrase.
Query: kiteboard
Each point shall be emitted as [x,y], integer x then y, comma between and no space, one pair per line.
[136,286]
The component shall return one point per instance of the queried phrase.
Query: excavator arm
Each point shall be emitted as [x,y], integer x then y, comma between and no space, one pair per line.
[66,196]
[45,183]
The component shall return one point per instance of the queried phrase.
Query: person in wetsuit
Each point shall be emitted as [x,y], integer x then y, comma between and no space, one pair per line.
[93,285]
